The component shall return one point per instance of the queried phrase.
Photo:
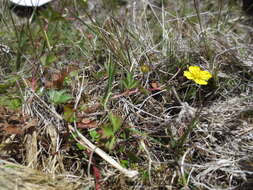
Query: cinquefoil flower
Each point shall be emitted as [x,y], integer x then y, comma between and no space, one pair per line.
[197,75]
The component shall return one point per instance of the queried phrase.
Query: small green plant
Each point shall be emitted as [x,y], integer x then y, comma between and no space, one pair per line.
[47,60]
[80,147]
[12,103]
[110,71]
[129,82]
[109,134]
[59,97]
[94,135]
[110,130]
[124,163]
[8,83]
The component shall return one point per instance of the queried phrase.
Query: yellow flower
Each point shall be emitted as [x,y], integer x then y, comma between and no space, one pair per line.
[197,75]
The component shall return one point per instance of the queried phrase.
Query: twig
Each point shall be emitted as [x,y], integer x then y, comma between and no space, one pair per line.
[85,142]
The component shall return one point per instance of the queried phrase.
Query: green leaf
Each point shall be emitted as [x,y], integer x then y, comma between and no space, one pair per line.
[74,73]
[110,70]
[12,103]
[47,60]
[15,103]
[73,135]
[108,131]
[59,97]
[3,100]
[94,135]
[4,87]
[110,144]
[129,82]
[51,58]
[115,121]
[80,147]
[51,15]
[124,163]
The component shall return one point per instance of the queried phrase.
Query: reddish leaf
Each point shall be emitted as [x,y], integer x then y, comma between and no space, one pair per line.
[32,82]
[126,93]
[96,173]
[90,36]
[97,176]
[69,113]
[57,79]
[92,108]
[87,123]
[12,129]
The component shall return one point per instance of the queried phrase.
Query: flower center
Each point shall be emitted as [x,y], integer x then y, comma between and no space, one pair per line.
[197,75]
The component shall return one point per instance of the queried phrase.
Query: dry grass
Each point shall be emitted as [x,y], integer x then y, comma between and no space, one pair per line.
[14,176]
[124,70]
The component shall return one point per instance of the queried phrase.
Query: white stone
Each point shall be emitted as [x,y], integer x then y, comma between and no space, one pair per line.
[30,3]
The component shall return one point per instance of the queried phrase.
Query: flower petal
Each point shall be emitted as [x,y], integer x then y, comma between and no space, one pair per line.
[194,69]
[188,75]
[201,82]
[205,75]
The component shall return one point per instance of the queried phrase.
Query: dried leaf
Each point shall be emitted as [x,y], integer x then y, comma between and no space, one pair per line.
[12,129]
[87,123]
[92,108]
[69,113]
[154,85]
